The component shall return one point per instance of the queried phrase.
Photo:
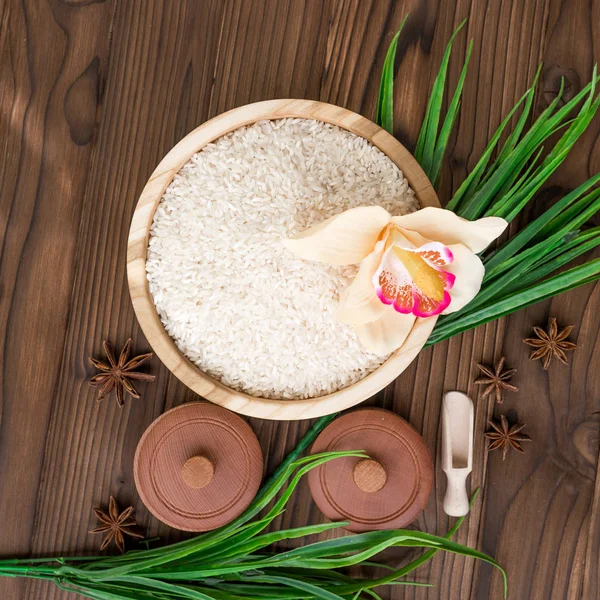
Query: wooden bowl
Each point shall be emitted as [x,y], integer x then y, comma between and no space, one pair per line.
[137,246]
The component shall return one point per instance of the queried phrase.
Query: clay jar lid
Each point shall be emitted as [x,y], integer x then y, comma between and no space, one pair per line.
[386,491]
[198,467]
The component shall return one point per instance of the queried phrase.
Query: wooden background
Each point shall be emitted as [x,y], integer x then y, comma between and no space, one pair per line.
[94,93]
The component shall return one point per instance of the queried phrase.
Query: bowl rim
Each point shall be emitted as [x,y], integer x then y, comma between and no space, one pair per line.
[137,245]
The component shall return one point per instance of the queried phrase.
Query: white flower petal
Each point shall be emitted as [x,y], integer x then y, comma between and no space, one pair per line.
[344,239]
[414,238]
[386,334]
[444,226]
[359,304]
[469,272]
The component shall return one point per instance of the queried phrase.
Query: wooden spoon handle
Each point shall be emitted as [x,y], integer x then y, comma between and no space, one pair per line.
[456,501]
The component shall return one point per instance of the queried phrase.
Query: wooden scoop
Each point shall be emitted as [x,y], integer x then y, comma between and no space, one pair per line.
[457,450]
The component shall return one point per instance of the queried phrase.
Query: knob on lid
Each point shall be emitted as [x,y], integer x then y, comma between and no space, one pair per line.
[389,489]
[198,471]
[198,467]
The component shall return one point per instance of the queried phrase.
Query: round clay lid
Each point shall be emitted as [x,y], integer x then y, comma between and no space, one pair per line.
[386,491]
[198,467]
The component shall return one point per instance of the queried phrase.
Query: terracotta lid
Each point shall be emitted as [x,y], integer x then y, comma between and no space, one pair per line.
[198,466]
[386,491]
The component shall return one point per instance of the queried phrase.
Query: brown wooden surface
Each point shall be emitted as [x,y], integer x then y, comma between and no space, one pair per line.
[93,94]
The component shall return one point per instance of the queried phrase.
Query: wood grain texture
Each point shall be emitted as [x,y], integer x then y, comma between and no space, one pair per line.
[198,466]
[54,57]
[137,249]
[369,475]
[388,492]
[93,94]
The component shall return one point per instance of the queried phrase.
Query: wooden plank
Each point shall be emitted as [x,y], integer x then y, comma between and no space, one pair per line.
[53,62]
[161,68]
[545,506]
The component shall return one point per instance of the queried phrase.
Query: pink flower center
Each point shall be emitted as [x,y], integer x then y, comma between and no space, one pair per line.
[412,279]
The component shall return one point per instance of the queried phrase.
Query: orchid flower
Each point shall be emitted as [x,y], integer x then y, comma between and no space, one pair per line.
[418,265]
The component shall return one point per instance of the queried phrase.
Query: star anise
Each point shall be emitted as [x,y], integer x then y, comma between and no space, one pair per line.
[504,437]
[117,374]
[115,525]
[497,380]
[551,343]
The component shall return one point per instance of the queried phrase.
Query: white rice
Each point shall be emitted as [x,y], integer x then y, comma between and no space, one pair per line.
[235,301]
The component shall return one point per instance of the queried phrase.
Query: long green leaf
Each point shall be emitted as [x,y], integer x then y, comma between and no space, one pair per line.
[515,269]
[548,288]
[448,125]
[590,205]
[385,101]
[154,584]
[249,546]
[562,256]
[520,240]
[317,591]
[514,204]
[484,196]
[470,184]
[515,136]
[551,118]
[426,142]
